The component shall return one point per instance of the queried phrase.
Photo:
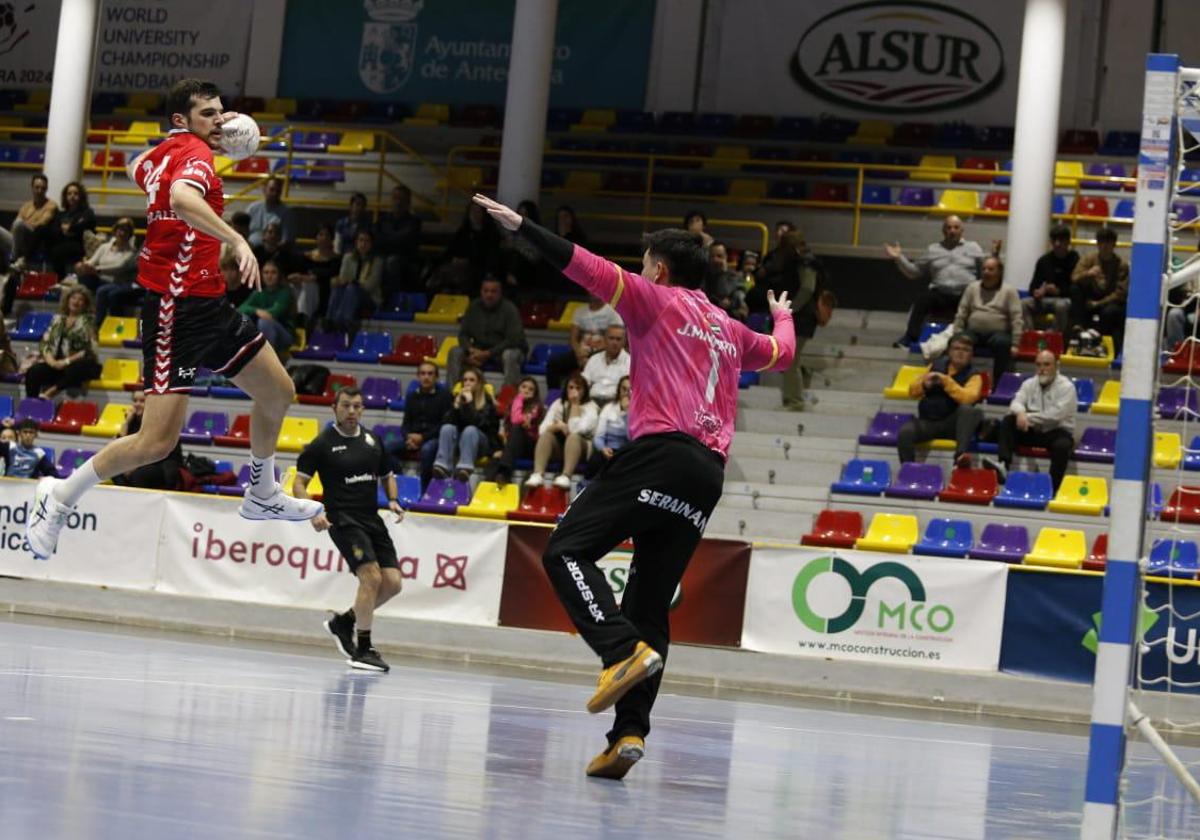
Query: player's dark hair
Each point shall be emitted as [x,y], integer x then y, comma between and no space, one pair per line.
[349,391]
[181,94]
[683,253]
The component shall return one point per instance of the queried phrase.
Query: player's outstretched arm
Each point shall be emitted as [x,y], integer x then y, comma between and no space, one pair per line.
[188,204]
[770,352]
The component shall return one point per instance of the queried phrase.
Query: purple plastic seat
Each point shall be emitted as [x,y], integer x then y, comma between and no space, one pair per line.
[389,434]
[202,426]
[379,391]
[36,408]
[916,481]
[916,197]
[1006,389]
[1097,445]
[1006,543]
[315,141]
[323,346]
[884,429]
[1185,212]
[444,495]
[71,459]
[1107,170]
[1174,402]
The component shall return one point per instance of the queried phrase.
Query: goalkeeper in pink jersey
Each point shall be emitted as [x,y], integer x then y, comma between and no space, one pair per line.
[661,487]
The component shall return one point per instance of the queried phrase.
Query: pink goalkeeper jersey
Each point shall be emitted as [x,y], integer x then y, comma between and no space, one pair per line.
[686,354]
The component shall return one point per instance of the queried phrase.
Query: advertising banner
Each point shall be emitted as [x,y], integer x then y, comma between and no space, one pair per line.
[707,608]
[859,605]
[457,51]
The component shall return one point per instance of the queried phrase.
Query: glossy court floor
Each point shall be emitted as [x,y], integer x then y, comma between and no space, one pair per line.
[112,733]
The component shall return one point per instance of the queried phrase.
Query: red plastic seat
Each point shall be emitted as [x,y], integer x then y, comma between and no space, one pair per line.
[1098,556]
[36,285]
[536,314]
[1079,142]
[1183,506]
[112,159]
[411,350]
[1034,341]
[997,201]
[986,165]
[831,192]
[970,487]
[1185,358]
[252,166]
[541,504]
[835,529]
[72,416]
[335,383]
[504,398]
[239,433]
[1090,205]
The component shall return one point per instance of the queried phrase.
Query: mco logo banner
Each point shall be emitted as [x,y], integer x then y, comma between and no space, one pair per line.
[875,607]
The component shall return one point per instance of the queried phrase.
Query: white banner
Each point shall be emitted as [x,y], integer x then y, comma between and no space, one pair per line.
[451,571]
[899,609]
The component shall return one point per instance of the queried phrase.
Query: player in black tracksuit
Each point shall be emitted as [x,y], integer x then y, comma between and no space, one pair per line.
[351,461]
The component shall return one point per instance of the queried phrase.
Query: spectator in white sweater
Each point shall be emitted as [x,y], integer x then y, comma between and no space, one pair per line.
[1041,414]
[605,370]
[565,432]
[991,313]
[612,429]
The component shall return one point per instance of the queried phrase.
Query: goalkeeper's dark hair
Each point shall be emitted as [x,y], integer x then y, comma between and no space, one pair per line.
[683,252]
[179,98]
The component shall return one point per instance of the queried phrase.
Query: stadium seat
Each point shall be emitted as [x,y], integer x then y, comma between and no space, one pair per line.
[1098,555]
[254,167]
[876,194]
[1177,403]
[1085,495]
[1173,559]
[443,495]
[891,532]
[835,529]
[1124,209]
[748,189]
[36,285]
[1090,205]
[323,346]
[1184,359]
[109,423]
[907,374]
[140,133]
[367,348]
[863,477]
[379,392]
[443,354]
[930,166]
[72,417]
[116,373]
[915,135]
[1096,445]
[1185,212]
[987,166]
[1076,141]
[296,433]
[444,309]
[540,355]
[970,487]
[492,501]
[72,459]
[335,383]
[1104,170]
[34,408]
[1168,450]
[411,350]
[1058,205]
[114,331]
[1002,542]
[873,132]
[32,326]
[884,429]
[564,321]
[1067,173]
[6,406]
[1120,144]
[754,125]
[1085,394]
[536,314]
[1191,455]
[831,193]
[1062,548]
[1006,388]
[958,201]
[354,143]
[238,434]
[946,538]
[1183,505]
[916,481]
[1031,491]
[203,426]
[1109,399]
[541,504]
[402,306]
[916,197]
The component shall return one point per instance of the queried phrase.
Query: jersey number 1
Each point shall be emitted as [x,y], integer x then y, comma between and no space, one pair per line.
[713,375]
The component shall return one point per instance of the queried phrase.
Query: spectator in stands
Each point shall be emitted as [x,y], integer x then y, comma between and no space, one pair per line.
[948,394]
[474,251]
[567,226]
[312,280]
[518,431]
[8,434]
[25,459]
[239,221]
[991,314]
[113,261]
[949,265]
[235,290]
[470,427]
[70,349]
[588,325]
[161,475]
[1050,288]
[272,247]
[566,433]
[398,239]
[31,229]
[521,262]
[424,410]
[696,222]
[8,359]
[1041,414]
[73,218]
[270,208]
[725,288]
[1099,287]
[605,370]
[612,429]
[358,284]
[270,307]
[346,231]
[490,331]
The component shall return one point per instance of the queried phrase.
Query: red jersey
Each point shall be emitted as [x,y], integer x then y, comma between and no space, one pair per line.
[176,259]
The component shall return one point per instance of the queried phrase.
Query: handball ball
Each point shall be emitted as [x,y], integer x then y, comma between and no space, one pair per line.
[239,137]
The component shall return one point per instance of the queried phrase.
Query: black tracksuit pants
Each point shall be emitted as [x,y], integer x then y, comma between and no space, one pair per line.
[659,490]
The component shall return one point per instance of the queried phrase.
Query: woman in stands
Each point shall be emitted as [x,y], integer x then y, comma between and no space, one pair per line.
[566,432]
[518,431]
[75,217]
[697,222]
[111,271]
[567,226]
[469,427]
[612,429]
[473,252]
[311,285]
[270,307]
[349,226]
[70,349]
[358,284]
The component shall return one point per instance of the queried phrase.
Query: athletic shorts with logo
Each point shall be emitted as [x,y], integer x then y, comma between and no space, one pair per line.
[183,334]
[362,537]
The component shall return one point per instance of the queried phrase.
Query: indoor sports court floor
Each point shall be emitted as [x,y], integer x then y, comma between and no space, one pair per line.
[114,733]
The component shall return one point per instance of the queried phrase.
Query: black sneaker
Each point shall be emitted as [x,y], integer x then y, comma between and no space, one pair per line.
[342,629]
[997,466]
[902,343]
[368,660]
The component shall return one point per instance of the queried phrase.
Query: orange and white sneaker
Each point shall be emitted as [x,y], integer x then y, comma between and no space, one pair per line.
[617,679]
[616,761]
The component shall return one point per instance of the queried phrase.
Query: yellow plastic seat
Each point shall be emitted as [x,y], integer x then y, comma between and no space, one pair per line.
[583,182]
[430,113]
[354,143]
[1104,361]
[728,157]
[39,96]
[1081,494]
[927,169]
[443,354]
[300,341]
[261,117]
[149,101]
[599,118]
[565,321]
[282,105]
[462,178]
[959,201]
[223,166]
[313,489]
[748,189]
[907,374]
[1109,399]
[296,433]
[939,444]
[109,423]
[893,532]
[492,501]
[116,373]
[873,132]
[30,107]
[444,309]
[140,132]
[1168,450]
[1067,173]
[1062,548]
[114,332]
[130,111]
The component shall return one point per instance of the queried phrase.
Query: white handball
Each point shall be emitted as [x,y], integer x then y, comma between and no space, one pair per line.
[239,137]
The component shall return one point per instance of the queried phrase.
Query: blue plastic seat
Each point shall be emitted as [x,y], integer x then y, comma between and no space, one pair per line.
[876,194]
[32,326]
[864,477]
[1174,558]
[540,355]
[367,347]
[1031,491]
[1085,394]
[946,538]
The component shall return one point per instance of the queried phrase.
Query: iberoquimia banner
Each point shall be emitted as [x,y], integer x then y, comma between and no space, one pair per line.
[875,607]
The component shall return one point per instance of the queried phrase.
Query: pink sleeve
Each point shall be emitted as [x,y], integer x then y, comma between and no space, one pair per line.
[768,352]
[637,301]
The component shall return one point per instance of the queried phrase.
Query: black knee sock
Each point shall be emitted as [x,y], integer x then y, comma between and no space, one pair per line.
[364,640]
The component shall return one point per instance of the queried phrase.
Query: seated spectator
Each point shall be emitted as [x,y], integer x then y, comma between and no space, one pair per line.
[991,314]
[469,428]
[1050,288]
[725,288]
[612,429]
[490,331]
[696,222]
[424,411]
[8,434]
[273,247]
[270,307]
[793,268]
[236,291]
[1041,414]
[358,285]
[111,271]
[398,239]
[474,251]
[518,431]
[313,278]
[73,218]
[949,265]
[1099,287]
[239,221]
[605,370]
[31,229]
[8,358]
[588,326]
[566,225]
[270,208]
[948,394]
[70,349]
[25,459]
[161,475]
[347,228]
[566,433]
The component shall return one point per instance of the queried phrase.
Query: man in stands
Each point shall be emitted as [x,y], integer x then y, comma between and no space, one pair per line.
[991,313]
[490,330]
[1099,287]
[273,247]
[1041,414]
[725,288]
[588,325]
[398,238]
[948,394]
[1050,288]
[424,411]
[24,458]
[271,208]
[604,371]
[949,265]
[31,228]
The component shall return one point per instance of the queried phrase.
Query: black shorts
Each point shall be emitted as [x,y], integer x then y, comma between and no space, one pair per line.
[182,334]
[362,538]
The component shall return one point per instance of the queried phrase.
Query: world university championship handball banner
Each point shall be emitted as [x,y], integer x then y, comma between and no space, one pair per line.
[903,610]
[457,51]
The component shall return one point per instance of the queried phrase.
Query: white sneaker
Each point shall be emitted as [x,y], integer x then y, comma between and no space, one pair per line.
[279,506]
[46,519]
[535,480]
[562,481]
